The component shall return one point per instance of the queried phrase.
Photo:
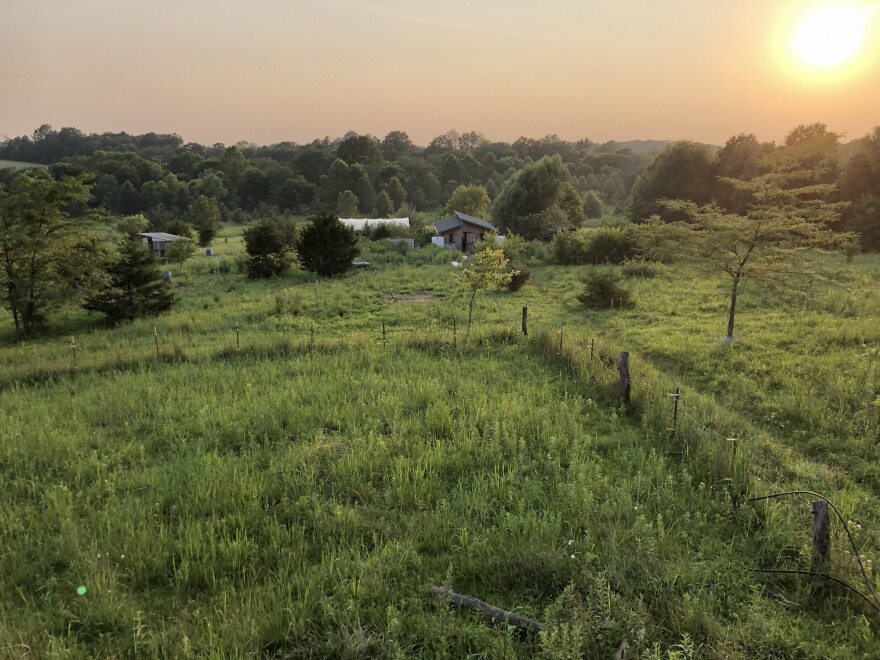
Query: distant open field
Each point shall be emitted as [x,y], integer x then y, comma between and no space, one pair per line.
[299,496]
[17,164]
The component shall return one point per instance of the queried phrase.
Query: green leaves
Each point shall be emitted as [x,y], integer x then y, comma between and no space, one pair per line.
[487,271]
[472,200]
[42,260]
[536,198]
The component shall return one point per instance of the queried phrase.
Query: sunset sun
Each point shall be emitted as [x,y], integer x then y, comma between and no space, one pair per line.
[830,36]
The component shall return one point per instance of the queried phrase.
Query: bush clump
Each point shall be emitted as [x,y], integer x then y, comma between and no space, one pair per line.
[519,278]
[602,290]
[289,303]
[604,245]
[270,248]
[639,268]
[570,248]
[179,251]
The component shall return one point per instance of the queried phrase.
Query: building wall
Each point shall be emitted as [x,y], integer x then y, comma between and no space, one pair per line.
[454,237]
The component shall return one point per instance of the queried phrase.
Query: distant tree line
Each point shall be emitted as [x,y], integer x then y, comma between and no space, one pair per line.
[171,182]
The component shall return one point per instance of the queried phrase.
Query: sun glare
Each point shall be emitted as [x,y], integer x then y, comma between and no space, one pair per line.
[830,36]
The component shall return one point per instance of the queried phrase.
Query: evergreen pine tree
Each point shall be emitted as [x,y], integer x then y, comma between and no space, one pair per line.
[327,247]
[135,289]
[270,248]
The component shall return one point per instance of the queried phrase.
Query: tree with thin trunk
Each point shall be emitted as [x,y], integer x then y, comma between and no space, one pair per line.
[47,257]
[488,270]
[787,215]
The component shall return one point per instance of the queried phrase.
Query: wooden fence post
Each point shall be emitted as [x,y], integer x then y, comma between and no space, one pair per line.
[525,321]
[560,340]
[734,441]
[623,368]
[383,334]
[676,397]
[73,349]
[821,532]
[156,335]
[237,340]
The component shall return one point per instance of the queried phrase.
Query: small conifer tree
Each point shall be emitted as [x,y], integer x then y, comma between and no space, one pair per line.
[327,247]
[135,286]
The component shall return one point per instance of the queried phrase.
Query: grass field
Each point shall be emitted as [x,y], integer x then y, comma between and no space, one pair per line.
[299,500]
[17,164]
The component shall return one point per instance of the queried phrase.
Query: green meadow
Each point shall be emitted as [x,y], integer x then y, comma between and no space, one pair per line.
[283,480]
[16,164]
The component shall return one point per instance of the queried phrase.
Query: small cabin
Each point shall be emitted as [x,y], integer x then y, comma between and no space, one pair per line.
[158,241]
[462,231]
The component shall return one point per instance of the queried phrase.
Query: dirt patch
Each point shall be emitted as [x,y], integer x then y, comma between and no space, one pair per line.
[415,298]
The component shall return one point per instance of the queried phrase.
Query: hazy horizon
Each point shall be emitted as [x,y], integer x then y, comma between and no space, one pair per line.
[228,72]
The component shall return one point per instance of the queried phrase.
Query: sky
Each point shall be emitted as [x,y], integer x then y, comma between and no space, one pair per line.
[267,71]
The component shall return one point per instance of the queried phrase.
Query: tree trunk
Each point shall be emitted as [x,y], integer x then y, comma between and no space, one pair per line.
[28,316]
[470,315]
[731,318]
[13,305]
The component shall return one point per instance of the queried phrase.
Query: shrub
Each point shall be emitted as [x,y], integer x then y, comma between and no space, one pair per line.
[289,303]
[610,245]
[270,248]
[537,253]
[570,248]
[639,268]
[604,245]
[602,290]
[519,278]
[180,251]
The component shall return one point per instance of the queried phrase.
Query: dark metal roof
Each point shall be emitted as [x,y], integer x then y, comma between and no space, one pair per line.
[160,236]
[446,224]
[464,217]
[456,219]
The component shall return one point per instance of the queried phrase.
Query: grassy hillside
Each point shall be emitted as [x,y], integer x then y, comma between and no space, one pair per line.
[17,164]
[299,497]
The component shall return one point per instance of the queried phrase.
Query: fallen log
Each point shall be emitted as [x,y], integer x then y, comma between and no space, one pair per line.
[494,613]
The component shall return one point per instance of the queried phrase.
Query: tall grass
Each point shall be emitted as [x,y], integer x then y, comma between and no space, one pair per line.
[299,497]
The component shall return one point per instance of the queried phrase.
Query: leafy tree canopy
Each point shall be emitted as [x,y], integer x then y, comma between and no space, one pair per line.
[46,257]
[472,200]
[529,203]
[487,270]
[684,170]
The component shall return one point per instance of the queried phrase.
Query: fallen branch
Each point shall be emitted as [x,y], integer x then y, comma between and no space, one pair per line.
[494,613]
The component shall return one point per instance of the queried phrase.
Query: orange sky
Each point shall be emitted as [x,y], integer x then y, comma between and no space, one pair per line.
[272,70]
